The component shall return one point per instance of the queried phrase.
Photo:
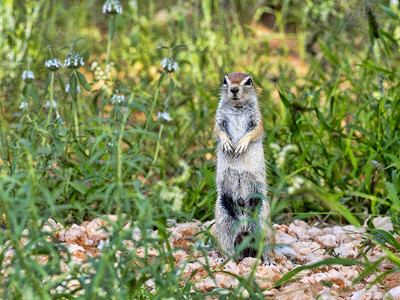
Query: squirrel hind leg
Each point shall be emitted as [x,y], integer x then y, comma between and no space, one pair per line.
[229,206]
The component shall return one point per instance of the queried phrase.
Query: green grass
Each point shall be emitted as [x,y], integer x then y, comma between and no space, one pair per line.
[342,116]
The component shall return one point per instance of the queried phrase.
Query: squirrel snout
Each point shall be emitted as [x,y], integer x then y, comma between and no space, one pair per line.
[234,89]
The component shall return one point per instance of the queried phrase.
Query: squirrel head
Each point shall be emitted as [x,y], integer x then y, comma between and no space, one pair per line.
[238,88]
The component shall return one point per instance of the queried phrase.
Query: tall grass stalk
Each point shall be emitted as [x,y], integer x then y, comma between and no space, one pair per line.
[51,90]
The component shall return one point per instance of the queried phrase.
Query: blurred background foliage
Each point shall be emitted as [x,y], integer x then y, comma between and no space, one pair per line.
[326,72]
[328,81]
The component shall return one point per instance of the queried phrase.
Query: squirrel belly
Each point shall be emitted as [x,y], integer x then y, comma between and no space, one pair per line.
[251,161]
[242,210]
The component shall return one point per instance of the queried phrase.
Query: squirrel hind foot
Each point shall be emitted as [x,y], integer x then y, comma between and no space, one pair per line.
[248,251]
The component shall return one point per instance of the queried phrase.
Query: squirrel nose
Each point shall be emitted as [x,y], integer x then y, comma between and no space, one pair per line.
[234,89]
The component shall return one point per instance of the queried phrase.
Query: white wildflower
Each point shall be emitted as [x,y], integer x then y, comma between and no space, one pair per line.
[98,73]
[185,175]
[169,65]
[23,105]
[59,119]
[117,99]
[47,105]
[78,88]
[283,154]
[74,60]
[110,144]
[275,149]
[377,165]
[164,116]
[28,76]
[296,183]
[133,4]
[94,65]
[112,7]
[172,193]
[53,64]
[103,244]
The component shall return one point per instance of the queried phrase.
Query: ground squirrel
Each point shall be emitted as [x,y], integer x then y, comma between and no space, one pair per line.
[241,211]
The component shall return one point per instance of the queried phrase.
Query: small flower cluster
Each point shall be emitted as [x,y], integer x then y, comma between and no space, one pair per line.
[164,116]
[47,105]
[377,165]
[171,194]
[117,99]
[74,60]
[112,7]
[280,161]
[185,175]
[297,183]
[23,105]
[28,76]
[169,65]
[53,64]
[78,88]
[98,73]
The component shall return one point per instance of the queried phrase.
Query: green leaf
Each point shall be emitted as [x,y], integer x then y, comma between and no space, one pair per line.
[388,36]
[284,99]
[46,87]
[390,12]
[82,81]
[393,194]
[76,40]
[65,47]
[383,236]
[176,47]
[33,93]
[79,186]
[359,129]
[73,87]
[332,201]
[61,83]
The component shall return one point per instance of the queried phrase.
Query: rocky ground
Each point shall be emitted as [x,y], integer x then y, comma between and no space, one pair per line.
[310,244]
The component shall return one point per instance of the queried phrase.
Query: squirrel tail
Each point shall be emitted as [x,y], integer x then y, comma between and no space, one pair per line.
[286,251]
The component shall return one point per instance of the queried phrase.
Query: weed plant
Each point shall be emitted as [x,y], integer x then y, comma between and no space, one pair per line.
[125,128]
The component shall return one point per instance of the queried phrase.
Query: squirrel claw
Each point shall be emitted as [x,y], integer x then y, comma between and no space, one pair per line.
[241,146]
[227,147]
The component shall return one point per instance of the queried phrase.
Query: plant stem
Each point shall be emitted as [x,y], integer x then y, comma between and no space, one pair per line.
[155,155]
[110,37]
[51,99]
[51,105]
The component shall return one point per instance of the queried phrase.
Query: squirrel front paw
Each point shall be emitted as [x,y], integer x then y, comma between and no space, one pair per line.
[242,145]
[226,145]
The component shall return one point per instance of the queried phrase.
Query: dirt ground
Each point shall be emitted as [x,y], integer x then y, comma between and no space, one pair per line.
[309,244]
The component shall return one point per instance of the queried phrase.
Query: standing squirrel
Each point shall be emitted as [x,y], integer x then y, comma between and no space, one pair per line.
[242,210]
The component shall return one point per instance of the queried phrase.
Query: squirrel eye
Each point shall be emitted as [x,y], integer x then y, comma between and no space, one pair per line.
[249,82]
[225,81]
